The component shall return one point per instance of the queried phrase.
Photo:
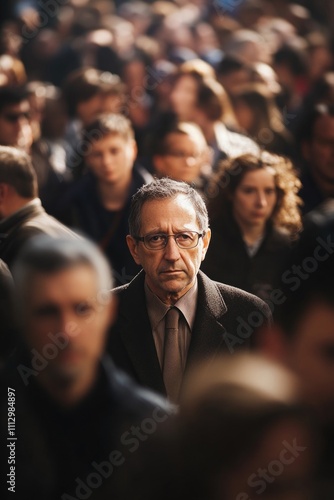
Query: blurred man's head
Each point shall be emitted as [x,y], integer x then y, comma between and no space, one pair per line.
[63,299]
[318,146]
[18,182]
[15,128]
[182,153]
[111,148]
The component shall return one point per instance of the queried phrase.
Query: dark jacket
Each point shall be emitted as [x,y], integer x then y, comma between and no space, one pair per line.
[58,449]
[224,322]
[227,259]
[17,229]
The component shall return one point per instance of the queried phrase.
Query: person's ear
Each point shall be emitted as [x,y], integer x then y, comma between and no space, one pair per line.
[133,247]
[272,342]
[112,309]
[134,150]
[206,242]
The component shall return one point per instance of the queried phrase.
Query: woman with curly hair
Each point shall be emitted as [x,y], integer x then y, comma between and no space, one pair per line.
[254,214]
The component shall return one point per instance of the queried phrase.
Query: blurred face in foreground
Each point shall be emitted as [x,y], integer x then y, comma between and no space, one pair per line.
[65,322]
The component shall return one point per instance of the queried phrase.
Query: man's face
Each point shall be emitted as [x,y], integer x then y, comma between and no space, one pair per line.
[15,128]
[171,271]
[184,158]
[311,355]
[65,305]
[111,158]
[319,152]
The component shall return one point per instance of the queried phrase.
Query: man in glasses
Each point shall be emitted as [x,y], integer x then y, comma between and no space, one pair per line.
[172,314]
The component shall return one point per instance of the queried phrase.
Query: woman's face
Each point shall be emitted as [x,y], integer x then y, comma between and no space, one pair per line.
[255,198]
[244,114]
[184,97]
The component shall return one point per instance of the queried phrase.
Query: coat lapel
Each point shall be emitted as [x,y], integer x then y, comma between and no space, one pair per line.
[207,335]
[136,335]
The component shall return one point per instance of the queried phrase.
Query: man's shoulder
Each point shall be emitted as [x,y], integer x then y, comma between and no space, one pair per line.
[236,299]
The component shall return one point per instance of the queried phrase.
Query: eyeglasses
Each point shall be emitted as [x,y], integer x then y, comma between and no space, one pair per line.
[15,117]
[181,155]
[186,239]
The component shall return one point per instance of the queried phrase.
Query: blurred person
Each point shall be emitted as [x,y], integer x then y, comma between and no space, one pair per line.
[171,314]
[316,139]
[79,411]
[255,216]
[231,73]
[98,204]
[205,102]
[302,337]
[13,69]
[15,128]
[180,152]
[291,66]
[241,432]
[21,213]
[89,92]
[248,46]
[259,117]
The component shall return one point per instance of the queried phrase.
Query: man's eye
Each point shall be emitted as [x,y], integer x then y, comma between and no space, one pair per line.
[185,236]
[46,310]
[155,238]
[83,308]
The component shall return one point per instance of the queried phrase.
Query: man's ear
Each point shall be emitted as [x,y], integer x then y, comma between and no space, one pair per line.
[272,342]
[133,247]
[206,242]
[113,309]
[134,150]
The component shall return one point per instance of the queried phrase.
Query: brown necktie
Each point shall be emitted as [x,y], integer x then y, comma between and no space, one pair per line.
[172,365]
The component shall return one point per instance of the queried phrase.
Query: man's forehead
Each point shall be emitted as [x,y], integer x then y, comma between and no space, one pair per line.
[177,209]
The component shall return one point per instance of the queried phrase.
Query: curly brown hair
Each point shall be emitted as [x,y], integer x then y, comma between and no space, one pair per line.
[286,214]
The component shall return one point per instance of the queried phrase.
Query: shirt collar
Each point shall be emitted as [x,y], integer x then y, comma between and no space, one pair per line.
[186,304]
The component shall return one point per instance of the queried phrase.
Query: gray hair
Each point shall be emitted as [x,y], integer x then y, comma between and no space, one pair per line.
[162,189]
[47,255]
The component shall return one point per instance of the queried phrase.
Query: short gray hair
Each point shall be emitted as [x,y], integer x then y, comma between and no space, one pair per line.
[47,255]
[162,189]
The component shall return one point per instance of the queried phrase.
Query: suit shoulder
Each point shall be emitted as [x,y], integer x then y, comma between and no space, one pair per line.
[242,299]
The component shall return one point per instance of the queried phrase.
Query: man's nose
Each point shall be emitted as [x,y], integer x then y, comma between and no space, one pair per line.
[67,324]
[171,251]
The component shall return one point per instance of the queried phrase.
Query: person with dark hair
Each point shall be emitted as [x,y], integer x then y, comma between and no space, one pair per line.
[15,129]
[254,213]
[79,411]
[21,213]
[179,151]
[171,314]
[316,137]
[98,204]
[199,98]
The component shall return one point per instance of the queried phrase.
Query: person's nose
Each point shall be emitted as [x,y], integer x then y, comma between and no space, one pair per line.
[67,324]
[171,250]
[261,200]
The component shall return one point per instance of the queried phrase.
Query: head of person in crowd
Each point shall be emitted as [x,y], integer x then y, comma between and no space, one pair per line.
[15,127]
[181,153]
[242,431]
[248,46]
[316,138]
[110,149]
[89,92]
[18,181]
[63,300]
[259,117]
[169,236]
[258,190]
[198,97]
[232,73]
[13,70]
[303,333]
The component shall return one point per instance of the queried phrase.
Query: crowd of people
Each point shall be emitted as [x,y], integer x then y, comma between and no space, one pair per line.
[166,249]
